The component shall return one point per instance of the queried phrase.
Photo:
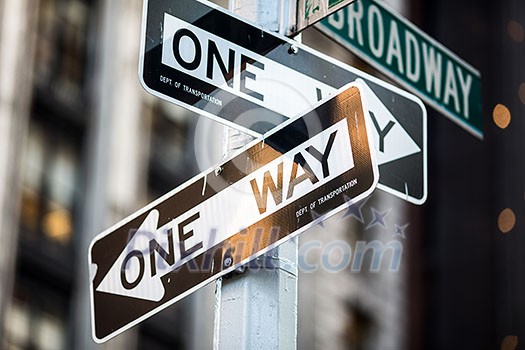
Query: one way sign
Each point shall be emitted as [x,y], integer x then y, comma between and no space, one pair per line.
[399,131]
[307,170]
[217,64]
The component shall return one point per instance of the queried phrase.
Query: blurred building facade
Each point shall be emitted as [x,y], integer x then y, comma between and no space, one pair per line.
[94,148]
[85,146]
[82,146]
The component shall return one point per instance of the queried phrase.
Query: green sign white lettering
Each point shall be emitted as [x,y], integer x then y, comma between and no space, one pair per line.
[402,51]
[311,11]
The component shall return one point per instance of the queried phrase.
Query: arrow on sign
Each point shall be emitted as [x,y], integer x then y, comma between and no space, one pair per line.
[129,274]
[391,141]
[399,133]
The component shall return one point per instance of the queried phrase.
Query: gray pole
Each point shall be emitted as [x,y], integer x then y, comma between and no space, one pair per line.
[258,309]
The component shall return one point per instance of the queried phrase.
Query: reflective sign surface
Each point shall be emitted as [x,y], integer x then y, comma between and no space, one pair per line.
[310,168]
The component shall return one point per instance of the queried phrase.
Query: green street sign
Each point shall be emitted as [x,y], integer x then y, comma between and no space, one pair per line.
[309,12]
[332,3]
[406,54]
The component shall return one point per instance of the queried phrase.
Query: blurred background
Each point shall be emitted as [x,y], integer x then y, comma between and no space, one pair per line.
[82,146]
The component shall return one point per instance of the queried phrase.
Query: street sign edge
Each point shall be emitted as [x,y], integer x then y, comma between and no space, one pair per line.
[424,151]
[332,10]
[169,99]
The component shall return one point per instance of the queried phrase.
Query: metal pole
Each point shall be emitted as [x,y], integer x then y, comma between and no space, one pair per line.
[257,309]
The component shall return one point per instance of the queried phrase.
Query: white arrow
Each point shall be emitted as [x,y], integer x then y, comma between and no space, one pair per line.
[391,141]
[130,274]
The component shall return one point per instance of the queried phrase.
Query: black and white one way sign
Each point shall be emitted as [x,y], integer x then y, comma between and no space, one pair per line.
[303,172]
[214,63]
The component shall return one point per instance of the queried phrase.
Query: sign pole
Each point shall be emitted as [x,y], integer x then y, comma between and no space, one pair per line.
[257,309]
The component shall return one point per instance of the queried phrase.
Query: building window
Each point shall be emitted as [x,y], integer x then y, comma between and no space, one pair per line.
[61,50]
[171,159]
[50,183]
[36,320]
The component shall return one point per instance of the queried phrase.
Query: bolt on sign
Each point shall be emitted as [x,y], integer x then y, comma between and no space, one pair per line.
[406,54]
[217,64]
[304,171]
